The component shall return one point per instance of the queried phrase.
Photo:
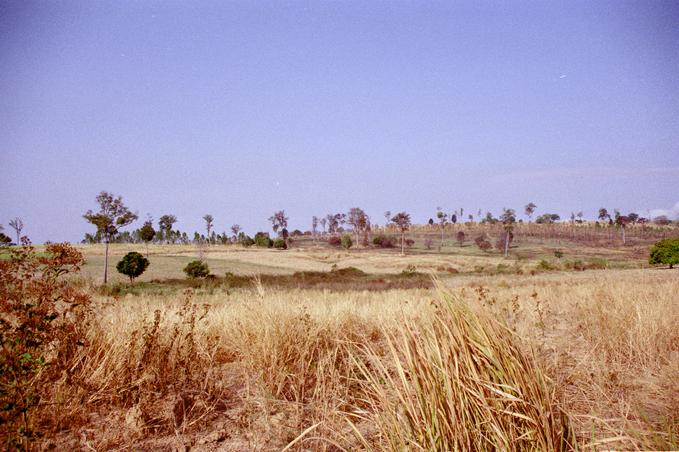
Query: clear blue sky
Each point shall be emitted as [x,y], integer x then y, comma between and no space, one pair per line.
[241,108]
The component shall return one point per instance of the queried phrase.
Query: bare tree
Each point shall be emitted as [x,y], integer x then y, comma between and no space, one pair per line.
[324,222]
[112,216]
[17,224]
[402,221]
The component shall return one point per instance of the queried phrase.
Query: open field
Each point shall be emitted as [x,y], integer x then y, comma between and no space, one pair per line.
[292,351]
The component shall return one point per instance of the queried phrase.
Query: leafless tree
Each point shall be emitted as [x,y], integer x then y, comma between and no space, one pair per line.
[17,224]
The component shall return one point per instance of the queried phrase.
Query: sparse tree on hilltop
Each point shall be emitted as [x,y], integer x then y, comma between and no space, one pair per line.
[402,221]
[17,224]
[112,216]
[324,222]
[314,225]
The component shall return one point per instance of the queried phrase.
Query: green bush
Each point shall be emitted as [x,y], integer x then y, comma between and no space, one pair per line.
[263,240]
[247,241]
[665,252]
[346,241]
[132,265]
[280,244]
[384,241]
[558,254]
[196,269]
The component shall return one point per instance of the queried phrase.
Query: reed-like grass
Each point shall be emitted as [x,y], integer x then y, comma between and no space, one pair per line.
[549,363]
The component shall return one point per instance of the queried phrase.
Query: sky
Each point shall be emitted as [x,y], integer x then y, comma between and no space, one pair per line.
[242,108]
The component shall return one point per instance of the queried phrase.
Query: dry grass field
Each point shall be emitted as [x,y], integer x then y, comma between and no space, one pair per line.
[496,353]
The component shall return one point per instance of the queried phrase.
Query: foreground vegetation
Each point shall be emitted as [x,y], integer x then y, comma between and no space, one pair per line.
[552,361]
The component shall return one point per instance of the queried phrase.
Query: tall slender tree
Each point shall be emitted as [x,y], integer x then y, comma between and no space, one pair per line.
[17,224]
[111,217]
[209,223]
[402,221]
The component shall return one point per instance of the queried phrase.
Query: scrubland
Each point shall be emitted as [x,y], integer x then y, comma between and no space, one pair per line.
[553,361]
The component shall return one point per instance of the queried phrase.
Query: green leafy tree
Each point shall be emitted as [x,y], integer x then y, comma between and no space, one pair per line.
[402,221]
[508,219]
[112,216]
[197,269]
[346,241]
[147,233]
[165,224]
[132,265]
[280,244]
[358,219]
[665,252]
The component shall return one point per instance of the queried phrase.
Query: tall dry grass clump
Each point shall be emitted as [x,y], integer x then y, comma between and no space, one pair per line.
[460,382]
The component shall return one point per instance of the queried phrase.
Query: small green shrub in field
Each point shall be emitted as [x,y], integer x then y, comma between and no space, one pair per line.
[558,254]
[263,240]
[197,269]
[247,241]
[280,244]
[546,266]
[132,265]
[346,241]
[665,252]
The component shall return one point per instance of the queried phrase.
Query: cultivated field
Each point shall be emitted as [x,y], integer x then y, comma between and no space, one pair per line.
[458,349]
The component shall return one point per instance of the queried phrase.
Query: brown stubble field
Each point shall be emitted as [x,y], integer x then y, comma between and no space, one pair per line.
[487,353]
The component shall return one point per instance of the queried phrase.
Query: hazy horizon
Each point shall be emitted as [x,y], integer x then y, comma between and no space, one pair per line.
[240,109]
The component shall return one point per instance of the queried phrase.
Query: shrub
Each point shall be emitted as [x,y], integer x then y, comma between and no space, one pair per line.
[132,265]
[196,269]
[558,254]
[665,252]
[545,265]
[262,240]
[428,243]
[42,325]
[483,242]
[280,244]
[346,241]
[460,237]
[409,243]
[335,241]
[384,241]
[247,241]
